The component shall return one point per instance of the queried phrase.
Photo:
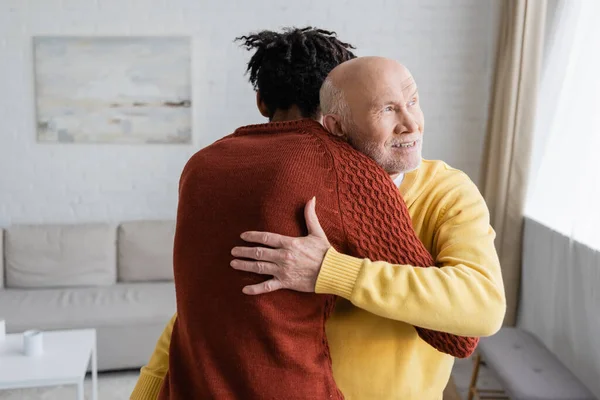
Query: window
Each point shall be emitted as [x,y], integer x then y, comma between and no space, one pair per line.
[565,182]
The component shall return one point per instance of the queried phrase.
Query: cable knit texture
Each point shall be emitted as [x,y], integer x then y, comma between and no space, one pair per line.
[228,345]
[379,227]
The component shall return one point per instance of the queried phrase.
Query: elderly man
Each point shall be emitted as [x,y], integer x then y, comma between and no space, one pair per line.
[373,104]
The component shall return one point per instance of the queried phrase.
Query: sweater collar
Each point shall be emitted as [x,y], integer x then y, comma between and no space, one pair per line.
[277,127]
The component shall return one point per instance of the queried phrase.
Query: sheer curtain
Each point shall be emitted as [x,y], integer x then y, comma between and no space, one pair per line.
[565,184]
[510,134]
[561,253]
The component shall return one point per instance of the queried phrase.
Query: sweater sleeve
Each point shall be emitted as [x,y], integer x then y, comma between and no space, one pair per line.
[378,227]
[464,296]
[152,375]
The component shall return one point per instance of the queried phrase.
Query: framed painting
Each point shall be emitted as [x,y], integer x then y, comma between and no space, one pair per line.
[133,90]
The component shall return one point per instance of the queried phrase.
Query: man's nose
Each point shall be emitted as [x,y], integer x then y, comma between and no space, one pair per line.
[407,123]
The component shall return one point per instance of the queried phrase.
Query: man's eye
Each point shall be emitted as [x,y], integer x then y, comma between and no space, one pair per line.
[412,102]
[388,108]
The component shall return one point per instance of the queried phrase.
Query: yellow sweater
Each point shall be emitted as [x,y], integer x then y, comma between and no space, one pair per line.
[376,352]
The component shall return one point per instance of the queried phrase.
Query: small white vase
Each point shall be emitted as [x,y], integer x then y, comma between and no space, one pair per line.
[33,344]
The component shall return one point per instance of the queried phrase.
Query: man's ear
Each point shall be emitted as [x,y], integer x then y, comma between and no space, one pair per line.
[262,107]
[333,125]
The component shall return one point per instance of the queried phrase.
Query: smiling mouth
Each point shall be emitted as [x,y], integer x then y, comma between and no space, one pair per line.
[404,145]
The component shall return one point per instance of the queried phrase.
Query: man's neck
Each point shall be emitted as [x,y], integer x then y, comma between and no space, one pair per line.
[400,175]
[291,114]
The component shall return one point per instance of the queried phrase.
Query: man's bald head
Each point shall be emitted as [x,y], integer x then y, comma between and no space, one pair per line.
[356,76]
[373,103]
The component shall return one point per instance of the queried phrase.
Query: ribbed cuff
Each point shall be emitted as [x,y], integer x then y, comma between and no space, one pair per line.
[147,387]
[338,274]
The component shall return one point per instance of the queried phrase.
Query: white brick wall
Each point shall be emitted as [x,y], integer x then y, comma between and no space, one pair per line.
[448,45]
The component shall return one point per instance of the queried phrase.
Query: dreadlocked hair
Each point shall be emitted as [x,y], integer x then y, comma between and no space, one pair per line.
[288,68]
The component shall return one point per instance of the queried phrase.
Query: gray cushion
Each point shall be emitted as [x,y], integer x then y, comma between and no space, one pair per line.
[528,370]
[115,305]
[128,318]
[146,251]
[39,256]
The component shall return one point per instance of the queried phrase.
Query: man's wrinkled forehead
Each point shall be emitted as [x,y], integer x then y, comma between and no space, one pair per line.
[392,91]
[408,85]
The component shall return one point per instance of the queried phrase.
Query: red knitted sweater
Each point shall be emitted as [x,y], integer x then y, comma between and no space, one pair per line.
[227,345]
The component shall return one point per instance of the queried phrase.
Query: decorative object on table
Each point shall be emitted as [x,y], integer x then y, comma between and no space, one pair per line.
[2,329]
[113,89]
[33,343]
[65,362]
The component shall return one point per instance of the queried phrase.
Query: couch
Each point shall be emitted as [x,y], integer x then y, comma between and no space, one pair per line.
[116,278]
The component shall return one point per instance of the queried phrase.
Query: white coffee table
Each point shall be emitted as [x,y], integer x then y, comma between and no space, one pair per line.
[66,357]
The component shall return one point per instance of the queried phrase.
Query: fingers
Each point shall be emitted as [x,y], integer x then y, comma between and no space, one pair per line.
[258,267]
[267,238]
[258,253]
[312,221]
[266,287]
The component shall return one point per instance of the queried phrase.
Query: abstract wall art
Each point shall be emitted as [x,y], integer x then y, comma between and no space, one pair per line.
[129,90]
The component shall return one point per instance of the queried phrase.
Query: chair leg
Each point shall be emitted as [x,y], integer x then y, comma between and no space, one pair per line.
[473,384]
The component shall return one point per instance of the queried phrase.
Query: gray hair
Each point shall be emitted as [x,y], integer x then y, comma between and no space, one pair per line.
[333,101]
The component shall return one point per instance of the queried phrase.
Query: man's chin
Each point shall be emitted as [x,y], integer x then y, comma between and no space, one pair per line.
[409,167]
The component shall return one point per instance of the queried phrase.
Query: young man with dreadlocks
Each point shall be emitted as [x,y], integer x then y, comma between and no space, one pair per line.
[226,345]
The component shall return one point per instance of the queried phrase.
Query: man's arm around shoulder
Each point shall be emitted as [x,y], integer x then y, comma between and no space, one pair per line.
[465,296]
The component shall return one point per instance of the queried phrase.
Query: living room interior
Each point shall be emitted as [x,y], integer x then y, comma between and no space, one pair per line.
[103,102]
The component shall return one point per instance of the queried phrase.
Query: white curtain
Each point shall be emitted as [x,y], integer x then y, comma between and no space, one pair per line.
[560,297]
[565,189]
[510,134]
